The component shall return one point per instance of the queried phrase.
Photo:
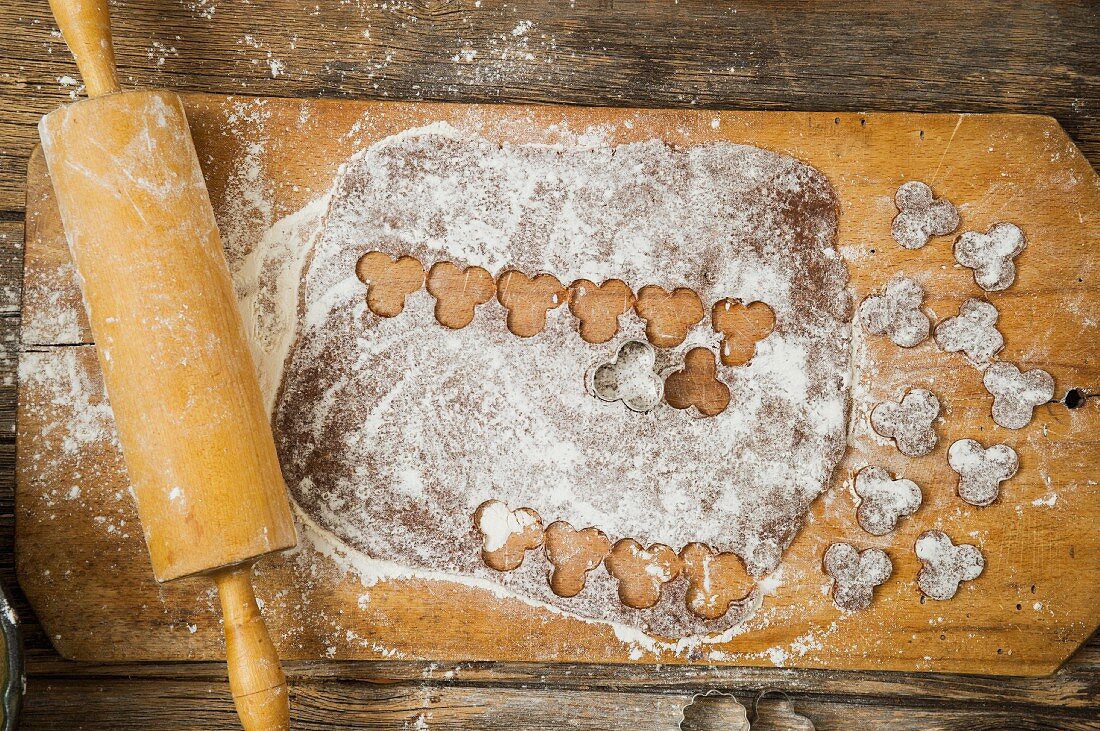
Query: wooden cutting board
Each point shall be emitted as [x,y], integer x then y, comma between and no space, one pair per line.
[83,564]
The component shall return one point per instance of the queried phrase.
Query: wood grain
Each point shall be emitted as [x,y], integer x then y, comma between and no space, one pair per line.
[1016,619]
[1033,56]
[90,704]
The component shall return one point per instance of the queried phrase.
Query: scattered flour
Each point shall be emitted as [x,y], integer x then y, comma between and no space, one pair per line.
[1048,501]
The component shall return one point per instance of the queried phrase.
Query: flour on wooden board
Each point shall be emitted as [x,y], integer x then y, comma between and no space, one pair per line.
[479,414]
[284,239]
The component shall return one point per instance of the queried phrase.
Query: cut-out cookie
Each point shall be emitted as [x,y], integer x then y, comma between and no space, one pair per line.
[388,281]
[973,331]
[630,378]
[506,535]
[896,313]
[1016,394]
[990,255]
[697,384]
[598,307]
[669,316]
[855,574]
[641,572]
[528,299]
[921,216]
[883,500]
[458,291]
[910,422]
[981,471]
[742,327]
[573,553]
[945,565]
[715,580]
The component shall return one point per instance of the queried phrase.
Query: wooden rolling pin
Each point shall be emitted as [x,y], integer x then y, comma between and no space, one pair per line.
[197,442]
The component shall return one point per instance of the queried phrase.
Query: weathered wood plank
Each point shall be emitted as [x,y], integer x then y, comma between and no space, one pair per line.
[121,704]
[1032,57]
[1074,686]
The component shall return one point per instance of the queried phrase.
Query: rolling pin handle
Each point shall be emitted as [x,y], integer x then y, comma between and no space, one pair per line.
[86,26]
[256,678]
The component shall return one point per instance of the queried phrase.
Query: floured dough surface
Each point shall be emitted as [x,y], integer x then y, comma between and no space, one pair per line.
[855,574]
[981,471]
[896,313]
[392,431]
[974,331]
[944,565]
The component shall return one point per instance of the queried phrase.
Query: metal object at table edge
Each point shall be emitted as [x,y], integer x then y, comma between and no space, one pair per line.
[15,680]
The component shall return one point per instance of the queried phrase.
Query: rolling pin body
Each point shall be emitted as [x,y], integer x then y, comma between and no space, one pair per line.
[181,382]
[182,386]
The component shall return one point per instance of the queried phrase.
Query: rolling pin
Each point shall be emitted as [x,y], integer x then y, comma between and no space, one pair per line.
[194,433]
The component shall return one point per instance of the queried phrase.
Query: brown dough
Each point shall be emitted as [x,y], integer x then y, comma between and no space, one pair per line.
[910,422]
[855,574]
[945,565]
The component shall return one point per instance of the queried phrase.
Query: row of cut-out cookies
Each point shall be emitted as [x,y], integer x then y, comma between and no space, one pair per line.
[990,255]
[884,500]
[944,566]
[1016,394]
[910,422]
[896,313]
[669,316]
[716,580]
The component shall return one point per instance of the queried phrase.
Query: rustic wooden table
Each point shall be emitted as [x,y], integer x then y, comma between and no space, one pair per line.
[975,57]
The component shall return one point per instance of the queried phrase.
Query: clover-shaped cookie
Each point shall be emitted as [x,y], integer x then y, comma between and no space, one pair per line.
[630,378]
[990,255]
[669,316]
[715,580]
[458,291]
[973,331]
[945,565]
[598,307]
[506,535]
[921,216]
[910,422]
[641,572]
[883,501]
[528,299]
[388,281]
[855,574]
[697,384]
[896,313]
[1016,394]
[981,471]
[742,327]
[573,553]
